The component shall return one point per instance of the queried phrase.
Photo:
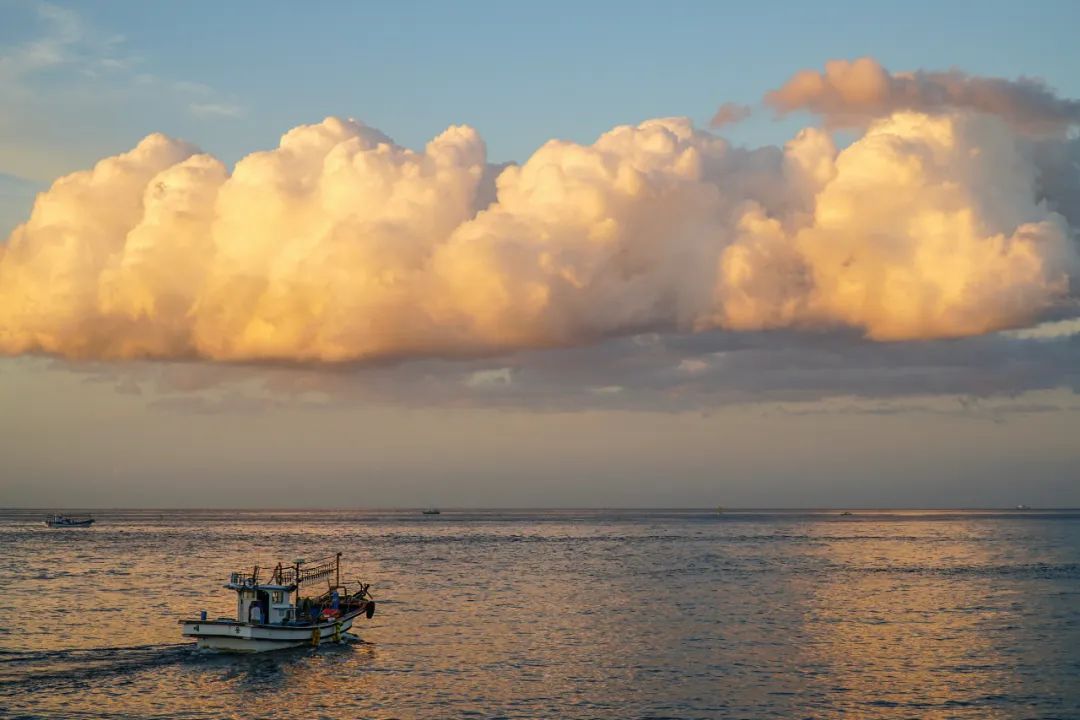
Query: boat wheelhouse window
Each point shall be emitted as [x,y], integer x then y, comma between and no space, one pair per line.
[276,596]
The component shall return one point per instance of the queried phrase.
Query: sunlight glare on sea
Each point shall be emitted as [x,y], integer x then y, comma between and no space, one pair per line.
[561,614]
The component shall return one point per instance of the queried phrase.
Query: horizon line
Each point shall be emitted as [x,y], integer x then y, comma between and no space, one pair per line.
[513,508]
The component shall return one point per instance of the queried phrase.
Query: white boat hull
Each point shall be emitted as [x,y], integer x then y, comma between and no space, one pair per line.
[232,636]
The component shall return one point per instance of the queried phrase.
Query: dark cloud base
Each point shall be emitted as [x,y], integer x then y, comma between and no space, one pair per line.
[646,372]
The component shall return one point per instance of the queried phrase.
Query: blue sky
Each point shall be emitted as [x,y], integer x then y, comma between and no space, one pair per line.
[520,73]
[856,424]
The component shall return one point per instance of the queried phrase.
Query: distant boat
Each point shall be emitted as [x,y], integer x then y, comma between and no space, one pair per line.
[57,520]
[846,512]
[432,511]
[719,508]
[1023,507]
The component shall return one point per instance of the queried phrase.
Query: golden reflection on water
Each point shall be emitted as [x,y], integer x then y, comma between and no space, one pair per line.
[558,615]
[887,637]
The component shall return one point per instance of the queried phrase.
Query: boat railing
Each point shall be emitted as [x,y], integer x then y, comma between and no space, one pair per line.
[284,575]
[306,572]
[245,577]
[295,574]
[344,594]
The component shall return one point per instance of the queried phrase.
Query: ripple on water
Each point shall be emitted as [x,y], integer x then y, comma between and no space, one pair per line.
[560,614]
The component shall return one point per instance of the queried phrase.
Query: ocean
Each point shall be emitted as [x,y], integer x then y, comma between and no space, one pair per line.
[558,614]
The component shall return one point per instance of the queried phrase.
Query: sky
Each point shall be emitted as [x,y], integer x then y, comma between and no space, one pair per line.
[505,255]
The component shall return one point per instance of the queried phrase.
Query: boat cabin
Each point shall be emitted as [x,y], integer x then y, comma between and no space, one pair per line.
[277,600]
[262,604]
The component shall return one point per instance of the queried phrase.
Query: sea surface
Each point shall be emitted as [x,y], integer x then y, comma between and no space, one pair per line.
[558,614]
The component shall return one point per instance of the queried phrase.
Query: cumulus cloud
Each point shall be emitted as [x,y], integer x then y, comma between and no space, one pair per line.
[340,245]
[729,114]
[852,93]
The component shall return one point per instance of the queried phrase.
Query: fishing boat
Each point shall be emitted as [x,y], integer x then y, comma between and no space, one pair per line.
[431,511]
[274,613]
[64,521]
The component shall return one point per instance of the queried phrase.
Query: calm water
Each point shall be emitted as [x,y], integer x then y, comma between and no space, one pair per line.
[559,614]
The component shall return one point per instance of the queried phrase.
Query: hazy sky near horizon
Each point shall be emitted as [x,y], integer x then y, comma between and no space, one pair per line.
[566,340]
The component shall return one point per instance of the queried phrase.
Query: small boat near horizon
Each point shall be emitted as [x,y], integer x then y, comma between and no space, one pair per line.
[432,511]
[272,614]
[57,520]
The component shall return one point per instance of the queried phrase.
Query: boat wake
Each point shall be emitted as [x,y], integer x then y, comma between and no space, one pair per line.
[22,670]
